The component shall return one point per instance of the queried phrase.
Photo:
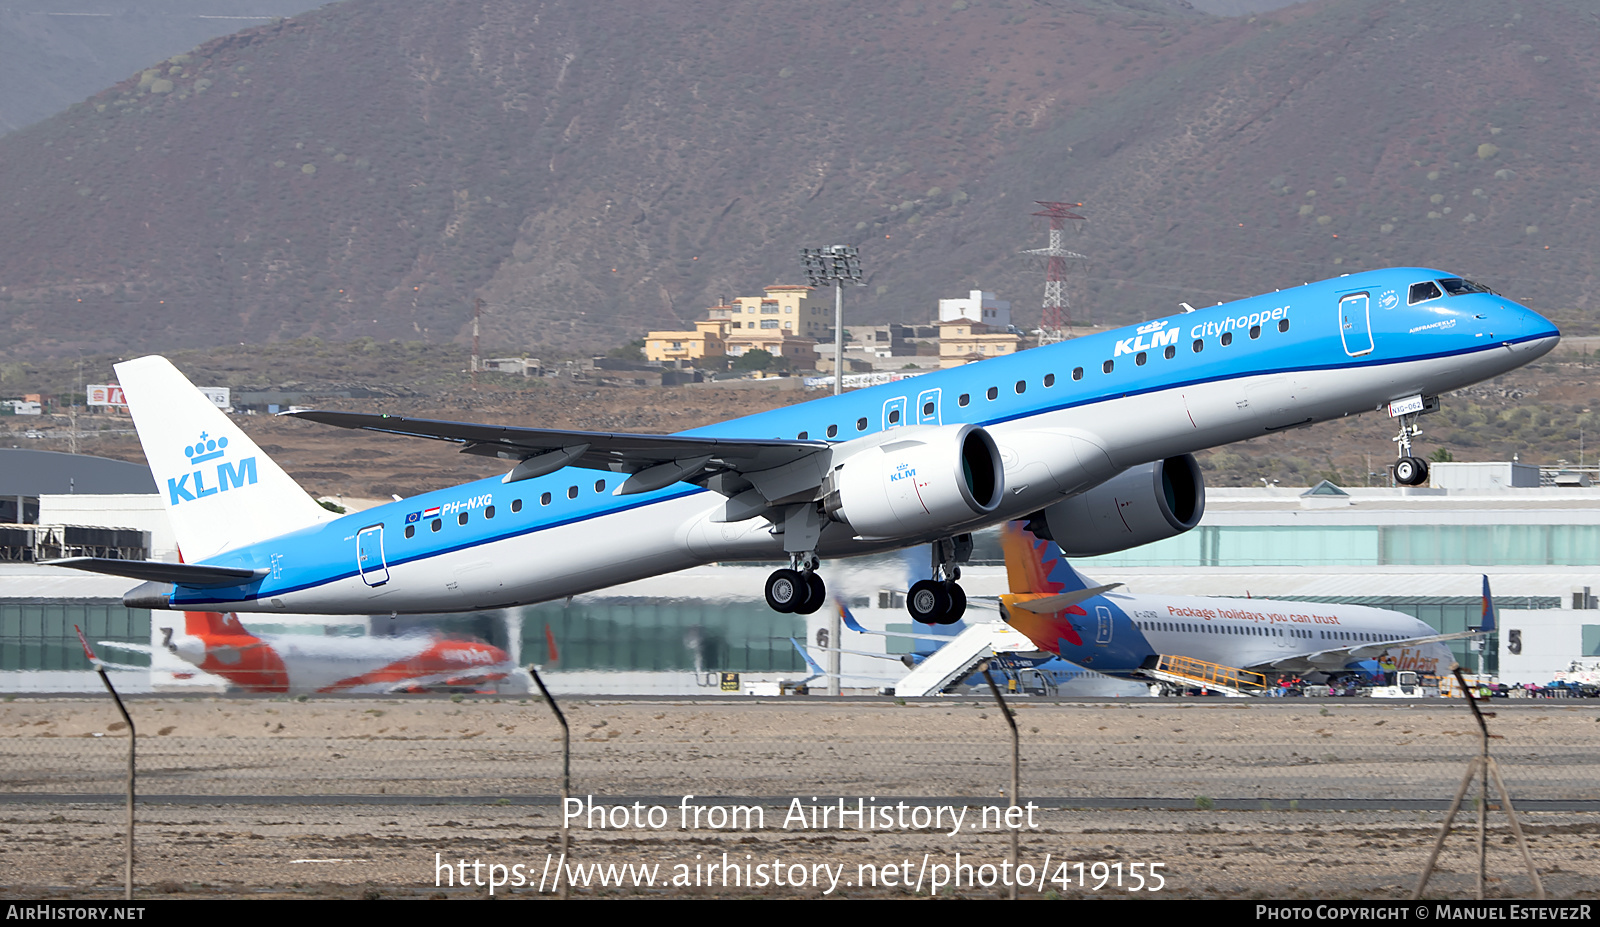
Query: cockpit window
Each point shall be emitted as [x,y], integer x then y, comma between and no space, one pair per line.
[1456,286]
[1422,292]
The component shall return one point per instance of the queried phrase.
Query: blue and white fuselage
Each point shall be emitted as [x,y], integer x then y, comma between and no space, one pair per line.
[1063,419]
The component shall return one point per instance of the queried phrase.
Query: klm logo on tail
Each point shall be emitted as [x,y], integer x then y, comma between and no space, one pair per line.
[228,476]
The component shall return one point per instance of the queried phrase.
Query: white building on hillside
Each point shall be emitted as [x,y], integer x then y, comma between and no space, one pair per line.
[978,306]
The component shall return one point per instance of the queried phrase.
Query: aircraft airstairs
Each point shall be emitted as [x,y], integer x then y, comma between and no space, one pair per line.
[952,662]
[1189,672]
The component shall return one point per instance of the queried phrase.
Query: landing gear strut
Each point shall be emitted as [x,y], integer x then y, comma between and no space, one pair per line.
[941,600]
[1409,470]
[798,589]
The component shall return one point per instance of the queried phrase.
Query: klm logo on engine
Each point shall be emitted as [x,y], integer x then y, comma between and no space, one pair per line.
[903,472]
[207,480]
[1148,336]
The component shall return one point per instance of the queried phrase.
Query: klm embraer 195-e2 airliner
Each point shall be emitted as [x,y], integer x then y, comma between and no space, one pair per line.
[1091,437]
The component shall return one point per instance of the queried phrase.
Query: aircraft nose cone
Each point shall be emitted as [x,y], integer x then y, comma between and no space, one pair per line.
[1538,334]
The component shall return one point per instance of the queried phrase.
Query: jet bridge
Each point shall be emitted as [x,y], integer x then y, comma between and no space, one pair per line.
[955,660]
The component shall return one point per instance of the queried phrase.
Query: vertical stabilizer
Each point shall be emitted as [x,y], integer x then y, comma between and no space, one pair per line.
[1036,565]
[1486,622]
[221,491]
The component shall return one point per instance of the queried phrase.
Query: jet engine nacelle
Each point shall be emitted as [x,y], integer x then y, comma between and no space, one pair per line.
[917,481]
[1139,505]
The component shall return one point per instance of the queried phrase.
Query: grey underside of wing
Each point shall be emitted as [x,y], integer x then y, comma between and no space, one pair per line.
[618,452]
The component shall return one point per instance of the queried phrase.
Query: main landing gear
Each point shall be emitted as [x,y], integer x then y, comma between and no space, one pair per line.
[1410,470]
[941,600]
[797,590]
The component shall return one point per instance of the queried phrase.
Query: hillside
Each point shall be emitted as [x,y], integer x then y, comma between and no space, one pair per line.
[590,171]
[54,53]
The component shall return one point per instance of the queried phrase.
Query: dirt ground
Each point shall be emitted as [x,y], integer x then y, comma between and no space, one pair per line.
[389,797]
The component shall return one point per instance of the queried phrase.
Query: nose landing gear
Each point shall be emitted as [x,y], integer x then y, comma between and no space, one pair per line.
[1410,470]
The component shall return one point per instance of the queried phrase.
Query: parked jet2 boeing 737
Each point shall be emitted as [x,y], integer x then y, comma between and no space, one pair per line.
[1093,435]
[1122,634]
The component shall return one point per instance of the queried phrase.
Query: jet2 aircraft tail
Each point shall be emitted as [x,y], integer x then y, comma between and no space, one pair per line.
[222,492]
[1034,565]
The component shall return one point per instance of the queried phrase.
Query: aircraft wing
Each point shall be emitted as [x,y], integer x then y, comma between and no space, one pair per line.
[119,645]
[1339,656]
[654,461]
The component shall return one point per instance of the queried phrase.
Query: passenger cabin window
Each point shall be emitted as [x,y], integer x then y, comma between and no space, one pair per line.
[1227,338]
[1255,332]
[437,524]
[801,436]
[1049,380]
[833,431]
[544,499]
[461,519]
[599,485]
[993,393]
[488,512]
[963,400]
[411,531]
[572,492]
[1022,386]
[927,407]
[1422,292]
[1077,373]
[1139,359]
[1198,345]
[516,505]
[861,424]
[1106,367]
[1283,325]
[1170,352]
[894,416]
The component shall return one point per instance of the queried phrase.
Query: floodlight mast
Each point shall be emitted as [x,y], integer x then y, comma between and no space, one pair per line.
[838,264]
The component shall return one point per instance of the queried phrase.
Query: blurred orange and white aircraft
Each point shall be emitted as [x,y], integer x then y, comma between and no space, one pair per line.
[219,644]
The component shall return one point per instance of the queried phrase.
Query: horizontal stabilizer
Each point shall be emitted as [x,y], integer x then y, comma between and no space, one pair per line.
[1049,605]
[183,574]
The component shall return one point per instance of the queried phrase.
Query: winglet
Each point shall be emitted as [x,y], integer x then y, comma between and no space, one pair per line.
[815,668]
[849,619]
[85,642]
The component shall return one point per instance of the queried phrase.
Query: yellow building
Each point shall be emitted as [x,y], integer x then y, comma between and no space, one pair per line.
[962,341]
[709,339]
[802,352]
[785,307]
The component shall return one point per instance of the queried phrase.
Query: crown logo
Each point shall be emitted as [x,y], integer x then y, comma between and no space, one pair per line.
[207,448]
